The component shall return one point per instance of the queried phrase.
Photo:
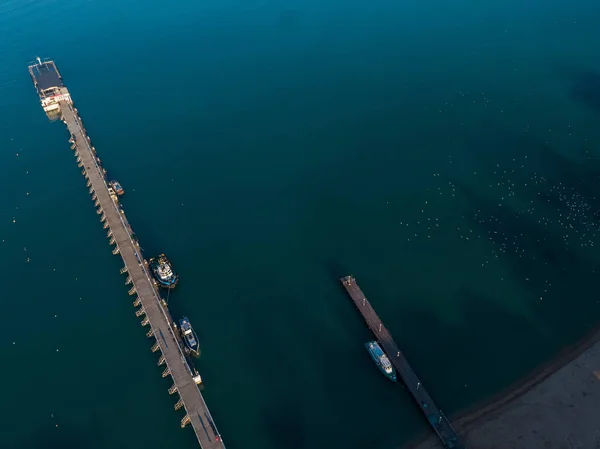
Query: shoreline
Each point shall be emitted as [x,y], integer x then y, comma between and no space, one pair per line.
[489,412]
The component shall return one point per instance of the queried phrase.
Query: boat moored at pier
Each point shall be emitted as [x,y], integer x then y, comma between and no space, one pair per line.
[163,271]
[189,336]
[117,187]
[435,417]
[381,360]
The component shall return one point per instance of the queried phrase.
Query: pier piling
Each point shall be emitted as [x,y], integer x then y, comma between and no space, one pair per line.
[185,421]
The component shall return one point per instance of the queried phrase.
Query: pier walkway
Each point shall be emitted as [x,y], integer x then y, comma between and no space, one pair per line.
[151,304]
[434,415]
[57,103]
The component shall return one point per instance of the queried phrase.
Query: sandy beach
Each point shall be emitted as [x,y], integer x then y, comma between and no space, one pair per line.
[555,407]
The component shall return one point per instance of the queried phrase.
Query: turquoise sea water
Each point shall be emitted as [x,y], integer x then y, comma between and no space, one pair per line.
[445,154]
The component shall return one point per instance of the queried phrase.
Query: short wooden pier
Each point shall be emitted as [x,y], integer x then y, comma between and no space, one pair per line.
[153,311]
[434,415]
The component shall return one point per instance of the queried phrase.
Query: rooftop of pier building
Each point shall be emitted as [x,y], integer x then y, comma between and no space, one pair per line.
[46,76]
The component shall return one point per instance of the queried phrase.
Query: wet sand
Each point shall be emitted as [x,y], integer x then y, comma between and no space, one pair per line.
[555,407]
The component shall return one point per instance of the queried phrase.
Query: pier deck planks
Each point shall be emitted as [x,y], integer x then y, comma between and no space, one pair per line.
[193,402]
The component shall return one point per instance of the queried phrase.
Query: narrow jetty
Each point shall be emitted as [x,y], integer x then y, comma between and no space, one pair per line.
[434,415]
[57,103]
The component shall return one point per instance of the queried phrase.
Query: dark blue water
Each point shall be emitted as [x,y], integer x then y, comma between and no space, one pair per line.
[445,154]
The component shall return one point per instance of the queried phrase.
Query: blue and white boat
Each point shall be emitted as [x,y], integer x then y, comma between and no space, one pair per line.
[381,360]
[163,272]
[189,336]
[115,185]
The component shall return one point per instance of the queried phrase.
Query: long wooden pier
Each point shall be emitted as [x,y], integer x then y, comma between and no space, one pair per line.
[57,102]
[434,415]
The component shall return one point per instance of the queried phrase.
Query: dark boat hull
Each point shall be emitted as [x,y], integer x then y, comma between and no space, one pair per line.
[391,376]
[166,284]
[154,264]
[195,348]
